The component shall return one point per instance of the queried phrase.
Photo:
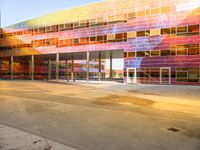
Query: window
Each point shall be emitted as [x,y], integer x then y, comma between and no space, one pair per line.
[165,9]
[61,43]
[131,54]
[76,41]
[83,41]
[42,30]
[100,21]
[50,42]
[54,28]
[131,34]
[35,43]
[140,54]
[76,25]
[147,53]
[68,42]
[155,53]
[193,30]
[50,29]
[131,15]
[100,39]
[140,73]
[187,74]
[18,33]
[165,31]
[140,33]
[173,51]
[125,54]
[93,39]
[173,30]
[87,24]
[35,31]
[155,72]
[181,31]
[120,18]
[96,22]
[111,37]
[61,26]
[141,13]
[47,42]
[155,11]
[181,49]
[111,19]
[92,22]
[119,37]
[165,52]
[148,12]
[69,26]
[182,74]
[82,24]
[147,33]
[154,32]
[193,49]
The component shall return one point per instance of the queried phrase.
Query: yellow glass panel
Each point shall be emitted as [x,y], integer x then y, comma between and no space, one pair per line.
[120,17]
[154,32]
[131,15]
[148,12]
[165,9]
[131,34]
[111,18]
[141,13]
[111,36]
[155,11]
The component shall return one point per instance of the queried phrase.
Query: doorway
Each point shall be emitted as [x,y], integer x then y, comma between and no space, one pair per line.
[131,75]
[165,75]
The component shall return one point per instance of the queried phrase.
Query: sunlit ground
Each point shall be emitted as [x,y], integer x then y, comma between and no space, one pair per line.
[109,116]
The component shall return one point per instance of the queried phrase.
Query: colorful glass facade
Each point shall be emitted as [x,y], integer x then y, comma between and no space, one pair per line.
[157,39]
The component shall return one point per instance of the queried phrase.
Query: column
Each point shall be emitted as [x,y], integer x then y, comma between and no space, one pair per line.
[57,66]
[66,67]
[72,67]
[0,69]
[49,69]
[111,65]
[32,67]
[11,67]
[87,65]
[100,66]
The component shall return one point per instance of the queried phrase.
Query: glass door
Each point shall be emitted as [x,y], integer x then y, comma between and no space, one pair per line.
[165,75]
[131,75]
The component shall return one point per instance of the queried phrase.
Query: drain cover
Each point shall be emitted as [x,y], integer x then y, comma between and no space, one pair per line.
[173,129]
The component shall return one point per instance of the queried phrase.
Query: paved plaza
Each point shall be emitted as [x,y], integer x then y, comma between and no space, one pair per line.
[98,116]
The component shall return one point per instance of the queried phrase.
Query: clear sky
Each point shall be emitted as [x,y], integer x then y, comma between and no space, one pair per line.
[14,11]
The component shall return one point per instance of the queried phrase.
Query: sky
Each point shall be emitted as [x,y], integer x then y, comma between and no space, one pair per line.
[14,11]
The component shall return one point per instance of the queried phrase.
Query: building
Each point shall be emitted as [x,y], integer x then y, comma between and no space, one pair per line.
[158,41]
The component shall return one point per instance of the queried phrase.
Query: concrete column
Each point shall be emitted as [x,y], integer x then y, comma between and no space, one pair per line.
[111,65]
[72,67]
[66,67]
[57,66]
[32,67]
[0,68]
[49,69]
[100,66]
[11,67]
[87,65]
[29,69]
